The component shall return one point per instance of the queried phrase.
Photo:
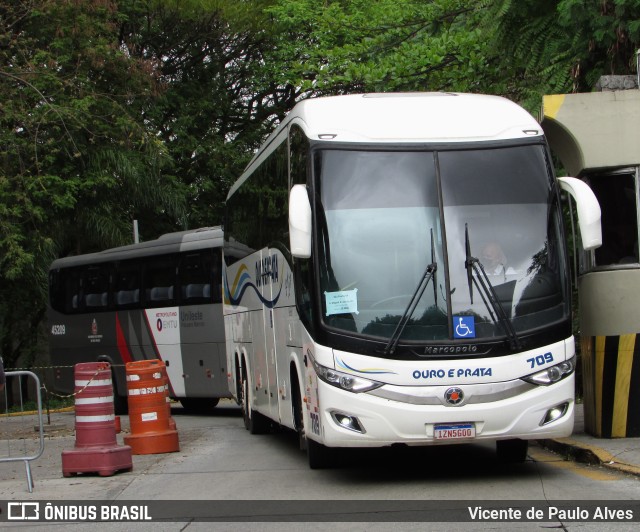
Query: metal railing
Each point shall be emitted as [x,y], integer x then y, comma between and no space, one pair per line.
[14,446]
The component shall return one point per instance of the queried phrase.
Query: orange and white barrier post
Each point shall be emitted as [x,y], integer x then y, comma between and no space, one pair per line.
[152,428]
[96,449]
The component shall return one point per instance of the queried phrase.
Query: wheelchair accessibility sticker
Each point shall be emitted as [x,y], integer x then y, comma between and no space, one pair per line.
[464,327]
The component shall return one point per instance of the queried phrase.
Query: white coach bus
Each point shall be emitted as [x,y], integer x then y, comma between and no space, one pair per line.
[395,272]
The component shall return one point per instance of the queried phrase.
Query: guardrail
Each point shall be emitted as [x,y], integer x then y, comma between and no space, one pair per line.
[15,446]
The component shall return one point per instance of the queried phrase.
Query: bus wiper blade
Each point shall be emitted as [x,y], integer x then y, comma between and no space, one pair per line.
[487,293]
[413,303]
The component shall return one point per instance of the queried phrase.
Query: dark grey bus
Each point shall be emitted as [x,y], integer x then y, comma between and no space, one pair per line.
[154,300]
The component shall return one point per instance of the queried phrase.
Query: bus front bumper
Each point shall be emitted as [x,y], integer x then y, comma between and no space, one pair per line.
[365,420]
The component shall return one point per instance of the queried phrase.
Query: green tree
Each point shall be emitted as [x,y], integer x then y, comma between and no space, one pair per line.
[75,165]
[390,45]
[560,46]
[204,53]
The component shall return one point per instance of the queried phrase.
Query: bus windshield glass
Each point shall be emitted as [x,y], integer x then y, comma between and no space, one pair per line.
[385,216]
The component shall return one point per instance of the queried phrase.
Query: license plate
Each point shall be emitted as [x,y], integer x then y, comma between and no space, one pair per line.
[454,431]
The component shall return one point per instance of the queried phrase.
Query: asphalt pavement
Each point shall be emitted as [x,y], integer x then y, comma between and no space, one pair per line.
[621,454]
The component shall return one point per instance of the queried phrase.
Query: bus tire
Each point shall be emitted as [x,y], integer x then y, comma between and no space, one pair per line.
[200,405]
[318,455]
[254,422]
[120,402]
[512,451]
[120,405]
[298,414]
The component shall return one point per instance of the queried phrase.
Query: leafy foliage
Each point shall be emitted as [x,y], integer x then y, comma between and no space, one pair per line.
[560,46]
[115,110]
[76,164]
[390,45]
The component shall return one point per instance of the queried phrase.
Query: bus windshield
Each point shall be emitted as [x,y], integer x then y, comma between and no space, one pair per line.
[385,216]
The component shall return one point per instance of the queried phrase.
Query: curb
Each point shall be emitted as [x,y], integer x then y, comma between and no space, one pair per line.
[34,412]
[588,454]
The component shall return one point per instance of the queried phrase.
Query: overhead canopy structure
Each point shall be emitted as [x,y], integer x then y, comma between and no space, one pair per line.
[595,130]
[597,138]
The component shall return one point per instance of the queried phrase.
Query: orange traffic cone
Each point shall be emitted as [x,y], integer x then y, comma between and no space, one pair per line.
[152,430]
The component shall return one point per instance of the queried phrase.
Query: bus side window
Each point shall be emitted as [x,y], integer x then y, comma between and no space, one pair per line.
[159,282]
[64,290]
[126,286]
[199,277]
[299,170]
[95,287]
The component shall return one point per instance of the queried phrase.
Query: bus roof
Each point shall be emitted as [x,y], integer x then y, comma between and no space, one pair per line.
[419,117]
[414,117]
[168,243]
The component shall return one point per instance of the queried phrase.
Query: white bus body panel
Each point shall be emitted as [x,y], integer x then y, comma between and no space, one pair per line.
[387,421]
[269,340]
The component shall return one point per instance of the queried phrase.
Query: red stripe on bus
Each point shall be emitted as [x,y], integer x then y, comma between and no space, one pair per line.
[123,348]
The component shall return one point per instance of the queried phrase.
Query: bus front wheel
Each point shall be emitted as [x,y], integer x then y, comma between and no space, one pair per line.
[512,451]
[317,454]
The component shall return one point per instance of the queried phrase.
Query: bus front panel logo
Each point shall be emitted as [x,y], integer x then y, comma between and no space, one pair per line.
[454,396]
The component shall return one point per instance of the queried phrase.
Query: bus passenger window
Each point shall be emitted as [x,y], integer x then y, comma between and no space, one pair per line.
[95,287]
[200,277]
[159,280]
[126,287]
[64,290]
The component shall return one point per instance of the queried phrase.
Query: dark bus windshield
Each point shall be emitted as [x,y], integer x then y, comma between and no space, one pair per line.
[384,216]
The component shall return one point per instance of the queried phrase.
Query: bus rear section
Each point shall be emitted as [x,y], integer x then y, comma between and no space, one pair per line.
[155,300]
[396,273]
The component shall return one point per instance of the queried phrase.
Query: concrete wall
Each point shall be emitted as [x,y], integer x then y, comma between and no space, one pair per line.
[594,130]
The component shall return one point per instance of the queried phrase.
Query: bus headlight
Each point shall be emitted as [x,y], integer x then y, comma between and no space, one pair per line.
[553,374]
[344,381]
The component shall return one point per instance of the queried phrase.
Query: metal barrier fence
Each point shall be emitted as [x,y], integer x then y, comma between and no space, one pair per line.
[17,443]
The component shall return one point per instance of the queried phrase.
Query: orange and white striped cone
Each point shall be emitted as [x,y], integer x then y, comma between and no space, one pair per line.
[150,422]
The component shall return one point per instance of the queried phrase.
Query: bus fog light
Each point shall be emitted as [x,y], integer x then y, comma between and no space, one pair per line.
[555,413]
[347,422]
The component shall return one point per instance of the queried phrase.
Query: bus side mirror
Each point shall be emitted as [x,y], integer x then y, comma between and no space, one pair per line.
[588,210]
[299,222]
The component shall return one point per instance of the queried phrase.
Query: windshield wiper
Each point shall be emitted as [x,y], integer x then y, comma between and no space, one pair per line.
[413,303]
[487,292]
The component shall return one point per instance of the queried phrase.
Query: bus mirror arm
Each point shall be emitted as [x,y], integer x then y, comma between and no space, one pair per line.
[300,222]
[588,211]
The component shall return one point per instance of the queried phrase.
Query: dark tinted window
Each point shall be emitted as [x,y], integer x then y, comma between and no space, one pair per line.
[200,278]
[258,212]
[616,194]
[126,287]
[95,287]
[159,279]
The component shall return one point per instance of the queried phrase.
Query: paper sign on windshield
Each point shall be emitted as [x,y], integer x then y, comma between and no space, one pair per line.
[343,302]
